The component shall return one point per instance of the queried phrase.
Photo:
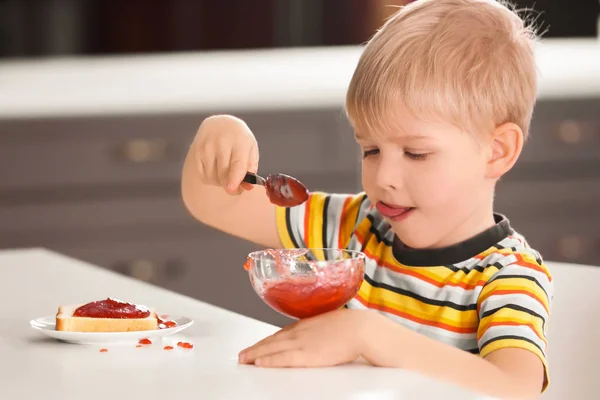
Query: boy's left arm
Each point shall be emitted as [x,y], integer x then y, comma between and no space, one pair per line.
[513,309]
[507,373]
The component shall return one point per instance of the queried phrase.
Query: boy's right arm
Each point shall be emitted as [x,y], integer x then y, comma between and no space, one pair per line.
[223,150]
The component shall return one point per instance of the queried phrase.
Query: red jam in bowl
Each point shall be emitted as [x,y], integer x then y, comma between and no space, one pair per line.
[314,288]
[307,297]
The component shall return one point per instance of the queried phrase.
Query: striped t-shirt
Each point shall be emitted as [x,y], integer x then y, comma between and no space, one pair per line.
[490,292]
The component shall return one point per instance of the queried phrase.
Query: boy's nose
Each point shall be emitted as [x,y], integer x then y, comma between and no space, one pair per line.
[388,177]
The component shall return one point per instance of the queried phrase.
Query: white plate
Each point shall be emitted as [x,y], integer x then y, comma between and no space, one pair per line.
[46,326]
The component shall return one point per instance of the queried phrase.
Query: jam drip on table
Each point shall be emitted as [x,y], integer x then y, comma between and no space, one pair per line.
[111,308]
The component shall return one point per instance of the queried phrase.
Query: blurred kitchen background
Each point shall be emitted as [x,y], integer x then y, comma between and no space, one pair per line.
[100,99]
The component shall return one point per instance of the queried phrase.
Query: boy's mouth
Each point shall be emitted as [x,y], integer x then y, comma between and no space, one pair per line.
[393,212]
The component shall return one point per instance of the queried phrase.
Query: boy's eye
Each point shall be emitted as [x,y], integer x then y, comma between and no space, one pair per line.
[416,156]
[370,152]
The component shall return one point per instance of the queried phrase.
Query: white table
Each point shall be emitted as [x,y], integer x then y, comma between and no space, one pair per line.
[36,281]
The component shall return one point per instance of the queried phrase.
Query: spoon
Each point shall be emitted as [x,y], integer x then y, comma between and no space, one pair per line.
[282,190]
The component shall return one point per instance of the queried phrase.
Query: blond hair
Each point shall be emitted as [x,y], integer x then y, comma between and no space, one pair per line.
[466,62]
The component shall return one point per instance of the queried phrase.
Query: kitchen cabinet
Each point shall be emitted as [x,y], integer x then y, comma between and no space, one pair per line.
[107,190]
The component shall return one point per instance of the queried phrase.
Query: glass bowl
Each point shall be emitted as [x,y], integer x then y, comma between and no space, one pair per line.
[303,283]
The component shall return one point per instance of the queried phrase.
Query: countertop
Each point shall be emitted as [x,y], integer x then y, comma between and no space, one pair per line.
[230,81]
[36,281]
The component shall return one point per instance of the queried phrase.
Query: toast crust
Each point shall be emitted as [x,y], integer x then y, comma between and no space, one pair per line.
[65,321]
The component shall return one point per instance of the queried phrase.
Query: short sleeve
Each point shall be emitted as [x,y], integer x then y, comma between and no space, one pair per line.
[325,220]
[514,308]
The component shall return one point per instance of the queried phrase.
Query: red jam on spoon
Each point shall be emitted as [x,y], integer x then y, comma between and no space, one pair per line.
[285,191]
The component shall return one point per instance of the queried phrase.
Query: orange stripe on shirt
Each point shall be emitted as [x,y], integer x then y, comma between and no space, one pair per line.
[342,236]
[351,216]
[524,263]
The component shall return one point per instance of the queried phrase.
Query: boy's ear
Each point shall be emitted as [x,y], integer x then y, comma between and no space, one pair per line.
[505,148]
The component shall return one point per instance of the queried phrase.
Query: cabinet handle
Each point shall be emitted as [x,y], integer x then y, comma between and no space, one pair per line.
[148,271]
[144,150]
[570,132]
[572,247]
[143,270]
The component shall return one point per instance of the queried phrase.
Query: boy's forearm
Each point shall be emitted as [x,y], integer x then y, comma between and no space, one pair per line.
[384,347]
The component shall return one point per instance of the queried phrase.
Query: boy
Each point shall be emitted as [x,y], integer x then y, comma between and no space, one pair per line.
[440,104]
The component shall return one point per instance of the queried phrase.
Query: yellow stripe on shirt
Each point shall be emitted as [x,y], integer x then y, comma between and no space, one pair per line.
[458,321]
[282,228]
[350,214]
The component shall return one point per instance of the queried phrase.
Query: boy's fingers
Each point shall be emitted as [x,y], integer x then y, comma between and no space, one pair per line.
[223,162]
[253,159]
[237,171]
[239,165]
[287,358]
[267,349]
[252,167]
[277,336]
[200,165]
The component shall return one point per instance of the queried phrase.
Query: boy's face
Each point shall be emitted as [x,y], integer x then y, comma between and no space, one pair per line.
[428,179]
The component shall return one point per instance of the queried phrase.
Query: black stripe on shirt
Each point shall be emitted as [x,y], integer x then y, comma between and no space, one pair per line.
[407,293]
[376,232]
[515,337]
[288,223]
[325,221]
[324,225]
[516,308]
